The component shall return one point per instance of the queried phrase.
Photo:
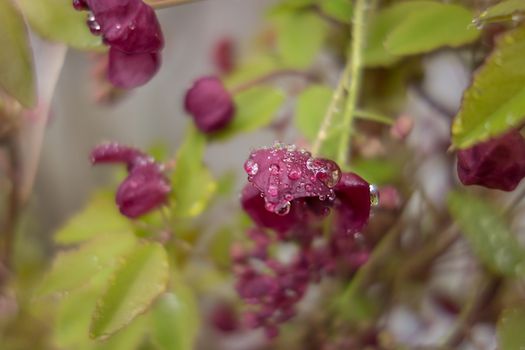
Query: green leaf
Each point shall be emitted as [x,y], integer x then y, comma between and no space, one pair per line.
[16,60]
[192,183]
[300,37]
[255,108]
[57,20]
[100,216]
[500,11]
[414,27]
[75,268]
[434,26]
[377,171]
[252,68]
[175,320]
[495,101]
[311,108]
[380,26]
[72,325]
[510,329]
[287,6]
[141,278]
[489,236]
[340,10]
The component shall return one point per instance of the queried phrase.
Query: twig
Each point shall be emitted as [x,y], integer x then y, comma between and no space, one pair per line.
[13,200]
[356,61]
[271,76]
[162,4]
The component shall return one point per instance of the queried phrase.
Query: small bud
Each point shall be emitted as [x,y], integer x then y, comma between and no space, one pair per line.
[224,318]
[498,163]
[402,127]
[224,55]
[210,104]
[144,189]
[80,5]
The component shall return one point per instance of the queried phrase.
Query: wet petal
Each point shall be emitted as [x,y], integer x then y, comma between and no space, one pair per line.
[132,70]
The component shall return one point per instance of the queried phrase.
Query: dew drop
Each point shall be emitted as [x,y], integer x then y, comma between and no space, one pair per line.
[374,196]
[251,167]
[273,190]
[274,169]
[283,209]
[294,174]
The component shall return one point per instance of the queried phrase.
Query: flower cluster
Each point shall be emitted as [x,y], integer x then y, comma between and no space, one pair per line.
[289,193]
[131,29]
[145,188]
[498,163]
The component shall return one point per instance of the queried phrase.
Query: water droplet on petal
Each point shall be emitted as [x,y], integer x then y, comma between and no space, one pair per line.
[283,209]
[294,174]
[374,196]
[251,167]
[274,169]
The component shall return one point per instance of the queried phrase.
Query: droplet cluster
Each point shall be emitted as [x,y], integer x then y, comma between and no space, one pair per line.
[283,173]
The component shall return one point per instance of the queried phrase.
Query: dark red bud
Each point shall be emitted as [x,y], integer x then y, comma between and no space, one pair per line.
[210,104]
[144,189]
[224,55]
[498,163]
[80,5]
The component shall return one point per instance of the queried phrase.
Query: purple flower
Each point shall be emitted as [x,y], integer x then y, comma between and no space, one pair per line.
[283,173]
[210,104]
[498,163]
[131,29]
[144,189]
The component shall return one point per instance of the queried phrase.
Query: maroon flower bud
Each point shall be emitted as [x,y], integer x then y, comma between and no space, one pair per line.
[224,318]
[283,173]
[498,163]
[80,5]
[210,104]
[144,189]
[131,70]
[353,203]
[131,29]
[224,55]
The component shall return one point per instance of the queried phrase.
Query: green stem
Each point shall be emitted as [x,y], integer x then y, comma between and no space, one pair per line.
[323,134]
[374,117]
[356,61]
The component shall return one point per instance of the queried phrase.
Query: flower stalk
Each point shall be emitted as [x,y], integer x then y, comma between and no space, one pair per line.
[355,62]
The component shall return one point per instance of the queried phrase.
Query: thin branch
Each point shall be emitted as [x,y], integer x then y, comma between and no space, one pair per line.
[356,61]
[282,73]
[13,201]
[322,135]
[162,4]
